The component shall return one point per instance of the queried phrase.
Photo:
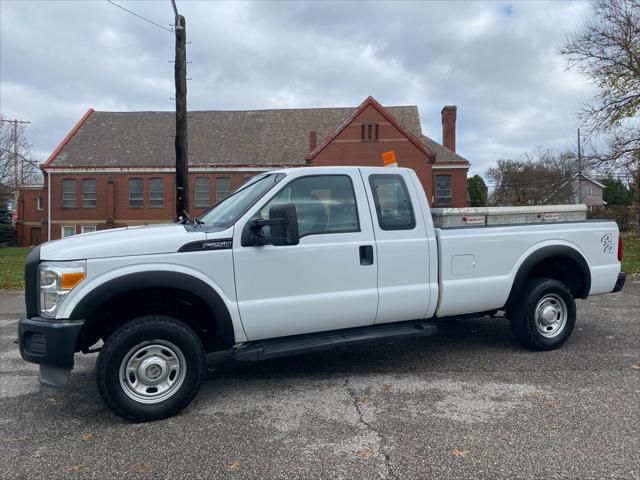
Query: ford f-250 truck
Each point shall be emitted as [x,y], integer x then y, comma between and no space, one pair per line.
[294,261]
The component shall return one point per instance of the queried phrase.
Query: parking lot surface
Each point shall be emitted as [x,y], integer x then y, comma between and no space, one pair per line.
[465,403]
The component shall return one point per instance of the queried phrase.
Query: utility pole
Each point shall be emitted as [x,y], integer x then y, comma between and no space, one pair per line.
[17,167]
[579,171]
[180,70]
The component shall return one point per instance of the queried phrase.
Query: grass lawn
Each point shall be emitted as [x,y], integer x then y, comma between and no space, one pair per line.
[12,267]
[631,248]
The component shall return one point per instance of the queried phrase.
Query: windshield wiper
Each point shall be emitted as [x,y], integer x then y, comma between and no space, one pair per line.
[188,219]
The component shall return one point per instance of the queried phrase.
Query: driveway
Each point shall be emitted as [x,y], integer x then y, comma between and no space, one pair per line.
[466,403]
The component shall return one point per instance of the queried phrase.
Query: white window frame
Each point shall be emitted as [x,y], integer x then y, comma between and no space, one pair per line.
[83,228]
[62,227]
[39,204]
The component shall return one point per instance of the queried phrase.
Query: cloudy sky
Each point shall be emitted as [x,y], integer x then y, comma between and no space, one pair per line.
[497,61]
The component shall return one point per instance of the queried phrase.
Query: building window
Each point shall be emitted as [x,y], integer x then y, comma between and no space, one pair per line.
[203,196]
[156,193]
[443,190]
[69,193]
[369,132]
[136,193]
[89,193]
[39,203]
[223,188]
[68,231]
[87,228]
[393,205]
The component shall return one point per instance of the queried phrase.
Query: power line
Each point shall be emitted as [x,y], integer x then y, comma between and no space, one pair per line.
[140,16]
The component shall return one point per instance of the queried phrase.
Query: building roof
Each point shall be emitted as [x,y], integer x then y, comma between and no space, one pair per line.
[247,138]
[589,179]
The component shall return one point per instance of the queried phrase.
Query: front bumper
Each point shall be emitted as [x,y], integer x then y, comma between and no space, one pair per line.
[50,343]
[622,277]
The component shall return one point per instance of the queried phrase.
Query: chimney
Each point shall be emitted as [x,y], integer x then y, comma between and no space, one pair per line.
[313,140]
[449,127]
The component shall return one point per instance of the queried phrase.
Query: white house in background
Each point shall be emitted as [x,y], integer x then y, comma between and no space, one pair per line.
[591,191]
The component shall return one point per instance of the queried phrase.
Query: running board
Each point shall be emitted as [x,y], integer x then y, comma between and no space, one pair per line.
[315,342]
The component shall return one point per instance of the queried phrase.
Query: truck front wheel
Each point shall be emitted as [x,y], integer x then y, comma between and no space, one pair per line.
[150,368]
[544,315]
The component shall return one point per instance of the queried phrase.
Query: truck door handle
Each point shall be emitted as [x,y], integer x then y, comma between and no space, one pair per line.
[366,255]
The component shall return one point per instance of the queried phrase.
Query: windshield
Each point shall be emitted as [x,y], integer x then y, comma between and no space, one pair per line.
[225,213]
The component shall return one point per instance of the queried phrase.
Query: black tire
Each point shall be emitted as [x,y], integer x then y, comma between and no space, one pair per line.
[529,325]
[177,342]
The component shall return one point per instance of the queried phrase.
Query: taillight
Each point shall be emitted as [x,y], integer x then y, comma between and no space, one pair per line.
[620,252]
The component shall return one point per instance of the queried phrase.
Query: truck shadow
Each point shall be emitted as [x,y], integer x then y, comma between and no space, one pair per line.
[459,344]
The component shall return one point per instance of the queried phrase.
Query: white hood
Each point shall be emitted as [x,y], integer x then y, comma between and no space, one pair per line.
[120,242]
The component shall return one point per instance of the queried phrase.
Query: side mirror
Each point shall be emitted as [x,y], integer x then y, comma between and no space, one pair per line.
[283,227]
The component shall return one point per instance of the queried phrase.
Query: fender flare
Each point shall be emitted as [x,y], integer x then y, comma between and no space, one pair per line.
[158,279]
[542,254]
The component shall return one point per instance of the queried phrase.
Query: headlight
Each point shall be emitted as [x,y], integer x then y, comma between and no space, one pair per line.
[56,281]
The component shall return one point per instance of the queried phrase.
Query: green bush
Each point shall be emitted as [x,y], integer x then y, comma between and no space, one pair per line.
[625,216]
[7,229]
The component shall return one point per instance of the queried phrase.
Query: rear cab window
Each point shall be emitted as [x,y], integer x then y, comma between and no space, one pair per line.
[392,202]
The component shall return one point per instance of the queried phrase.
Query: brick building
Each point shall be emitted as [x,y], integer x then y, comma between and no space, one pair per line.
[117,168]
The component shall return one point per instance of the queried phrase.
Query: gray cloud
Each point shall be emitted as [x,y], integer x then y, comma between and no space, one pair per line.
[496,61]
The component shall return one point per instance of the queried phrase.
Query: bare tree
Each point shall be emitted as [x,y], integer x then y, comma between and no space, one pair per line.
[27,168]
[536,178]
[606,48]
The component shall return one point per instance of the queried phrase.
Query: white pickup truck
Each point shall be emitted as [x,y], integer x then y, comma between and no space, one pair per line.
[294,261]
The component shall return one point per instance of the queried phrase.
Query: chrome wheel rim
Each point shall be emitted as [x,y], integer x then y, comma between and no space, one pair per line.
[152,371]
[551,315]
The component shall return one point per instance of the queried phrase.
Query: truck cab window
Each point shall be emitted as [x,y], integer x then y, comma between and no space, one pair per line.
[324,204]
[393,205]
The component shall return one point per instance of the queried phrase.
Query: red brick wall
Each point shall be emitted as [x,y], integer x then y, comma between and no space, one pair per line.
[112,203]
[349,149]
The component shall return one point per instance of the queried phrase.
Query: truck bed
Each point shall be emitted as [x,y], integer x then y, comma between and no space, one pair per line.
[478,265]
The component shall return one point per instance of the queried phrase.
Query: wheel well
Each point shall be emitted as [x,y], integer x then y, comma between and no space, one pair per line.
[180,304]
[568,267]
[565,270]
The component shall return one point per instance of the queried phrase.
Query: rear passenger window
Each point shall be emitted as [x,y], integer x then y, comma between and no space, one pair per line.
[393,204]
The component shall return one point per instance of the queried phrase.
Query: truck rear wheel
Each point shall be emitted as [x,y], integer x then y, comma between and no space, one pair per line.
[544,315]
[150,368]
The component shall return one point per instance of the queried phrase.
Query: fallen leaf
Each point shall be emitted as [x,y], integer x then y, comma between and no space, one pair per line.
[365,454]
[611,398]
[4,440]
[87,437]
[75,468]
[386,387]
[363,400]
[460,453]
[636,366]
[235,465]
[141,468]
[551,403]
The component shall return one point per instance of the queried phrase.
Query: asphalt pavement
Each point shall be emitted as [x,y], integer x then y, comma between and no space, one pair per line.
[466,403]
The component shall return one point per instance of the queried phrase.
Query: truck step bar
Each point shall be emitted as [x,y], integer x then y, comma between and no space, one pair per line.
[315,342]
